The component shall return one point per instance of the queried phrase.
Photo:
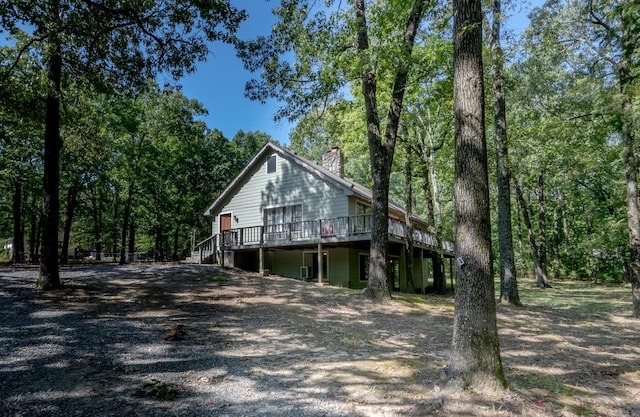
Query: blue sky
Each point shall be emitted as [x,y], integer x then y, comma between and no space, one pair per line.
[219,82]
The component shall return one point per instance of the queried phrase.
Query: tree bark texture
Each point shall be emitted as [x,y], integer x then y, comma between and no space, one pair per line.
[381,149]
[49,277]
[508,278]
[475,351]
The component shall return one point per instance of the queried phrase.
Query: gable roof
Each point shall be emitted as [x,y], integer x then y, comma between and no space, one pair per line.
[351,187]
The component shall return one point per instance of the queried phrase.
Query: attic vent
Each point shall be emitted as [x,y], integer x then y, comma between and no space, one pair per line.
[333,161]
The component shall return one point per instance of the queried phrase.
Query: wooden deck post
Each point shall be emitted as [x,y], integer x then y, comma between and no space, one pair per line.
[320,277]
[261,260]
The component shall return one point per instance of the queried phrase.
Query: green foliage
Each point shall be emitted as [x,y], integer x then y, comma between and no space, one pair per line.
[161,391]
[564,121]
[218,278]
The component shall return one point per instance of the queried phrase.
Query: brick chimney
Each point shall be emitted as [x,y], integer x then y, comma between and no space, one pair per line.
[333,161]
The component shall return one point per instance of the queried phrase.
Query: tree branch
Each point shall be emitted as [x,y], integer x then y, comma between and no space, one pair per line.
[7,73]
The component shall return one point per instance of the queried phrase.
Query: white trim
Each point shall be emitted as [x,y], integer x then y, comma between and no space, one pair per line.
[220,223]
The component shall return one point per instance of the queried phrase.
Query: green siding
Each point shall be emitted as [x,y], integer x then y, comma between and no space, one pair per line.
[354,268]
[290,184]
[339,267]
[286,263]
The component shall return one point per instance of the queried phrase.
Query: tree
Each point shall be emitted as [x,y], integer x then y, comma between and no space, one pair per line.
[382,146]
[111,45]
[475,351]
[599,44]
[508,280]
[541,276]
[327,59]
[21,114]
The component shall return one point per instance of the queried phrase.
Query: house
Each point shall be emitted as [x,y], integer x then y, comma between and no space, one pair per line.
[290,216]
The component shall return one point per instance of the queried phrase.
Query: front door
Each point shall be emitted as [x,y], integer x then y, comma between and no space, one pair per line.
[225,224]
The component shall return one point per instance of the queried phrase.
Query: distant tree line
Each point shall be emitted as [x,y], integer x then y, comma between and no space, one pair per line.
[136,174]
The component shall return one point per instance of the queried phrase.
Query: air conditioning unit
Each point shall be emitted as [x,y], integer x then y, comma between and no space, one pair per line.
[304,272]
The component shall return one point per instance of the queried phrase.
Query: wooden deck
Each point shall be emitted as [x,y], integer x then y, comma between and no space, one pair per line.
[339,230]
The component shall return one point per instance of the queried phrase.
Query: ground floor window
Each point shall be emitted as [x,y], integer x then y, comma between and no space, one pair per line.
[393,270]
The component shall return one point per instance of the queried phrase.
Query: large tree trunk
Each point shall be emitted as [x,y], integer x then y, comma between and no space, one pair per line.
[377,287]
[72,198]
[508,282]
[17,255]
[381,151]
[49,277]
[541,278]
[475,350]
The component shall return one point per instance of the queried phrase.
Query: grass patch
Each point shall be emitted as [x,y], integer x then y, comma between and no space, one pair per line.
[219,278]
[158,390]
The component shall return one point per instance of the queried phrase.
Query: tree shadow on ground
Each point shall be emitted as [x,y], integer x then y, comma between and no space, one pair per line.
[273,346]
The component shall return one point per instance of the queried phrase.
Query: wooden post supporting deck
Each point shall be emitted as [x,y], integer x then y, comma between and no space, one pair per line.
[261,260]
[320,277]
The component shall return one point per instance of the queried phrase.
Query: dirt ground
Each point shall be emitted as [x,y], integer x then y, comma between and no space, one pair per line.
[571,351]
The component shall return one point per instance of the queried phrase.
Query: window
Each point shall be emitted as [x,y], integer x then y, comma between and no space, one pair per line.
[271,164]
[296,218]
[279,220]
[285,214]
[363,219]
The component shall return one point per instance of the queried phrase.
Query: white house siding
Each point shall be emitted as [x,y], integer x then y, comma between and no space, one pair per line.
[290,184]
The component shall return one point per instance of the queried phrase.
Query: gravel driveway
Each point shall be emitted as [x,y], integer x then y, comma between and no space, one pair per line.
[252,345]
[197,340]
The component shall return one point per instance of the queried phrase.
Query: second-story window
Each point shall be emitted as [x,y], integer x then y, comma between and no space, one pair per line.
[271,164]
[362,221]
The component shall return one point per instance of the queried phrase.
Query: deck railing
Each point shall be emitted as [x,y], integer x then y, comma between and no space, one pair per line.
[337,228]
